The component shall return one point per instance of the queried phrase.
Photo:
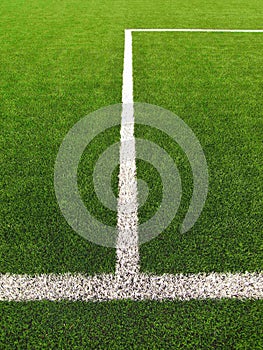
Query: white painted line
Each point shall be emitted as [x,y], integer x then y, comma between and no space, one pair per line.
[200,30]
[127,243]
[128,254]
[136,287]
[127,78]
[128,283]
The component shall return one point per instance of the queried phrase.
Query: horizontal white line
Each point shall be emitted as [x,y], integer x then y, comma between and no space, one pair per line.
[136,287]
[207,30]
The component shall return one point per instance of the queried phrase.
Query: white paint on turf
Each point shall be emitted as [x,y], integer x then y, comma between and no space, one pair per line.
[128,254]
[135,287]
[200,30]
[128,282]
[127,77]
[127,242]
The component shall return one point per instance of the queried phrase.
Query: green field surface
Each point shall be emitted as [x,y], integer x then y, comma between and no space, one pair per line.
[213,81]
[132,325]
[61,60]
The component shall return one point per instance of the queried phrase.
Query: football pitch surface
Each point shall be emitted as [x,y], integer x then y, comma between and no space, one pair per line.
[63,60]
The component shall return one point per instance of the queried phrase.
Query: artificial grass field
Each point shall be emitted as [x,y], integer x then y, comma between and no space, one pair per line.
[228,324]
[61,60]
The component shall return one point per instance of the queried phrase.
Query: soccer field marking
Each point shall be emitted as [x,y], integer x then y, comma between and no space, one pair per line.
[196,30]
[127,282]
[128,258]
[127,77]
[127,250]
[80,287]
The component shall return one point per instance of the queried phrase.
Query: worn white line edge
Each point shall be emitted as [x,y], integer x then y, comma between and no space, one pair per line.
[127,250]
[136,287]
[128,260]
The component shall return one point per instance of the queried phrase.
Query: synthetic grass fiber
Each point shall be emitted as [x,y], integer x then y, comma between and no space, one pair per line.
[59,61]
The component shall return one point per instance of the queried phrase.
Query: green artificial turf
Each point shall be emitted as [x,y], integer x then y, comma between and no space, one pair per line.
[214,83]
[59,61]
[49,81]
[207,324]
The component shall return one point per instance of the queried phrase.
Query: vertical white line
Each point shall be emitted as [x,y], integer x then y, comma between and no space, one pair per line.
[127,78]
[127,241]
